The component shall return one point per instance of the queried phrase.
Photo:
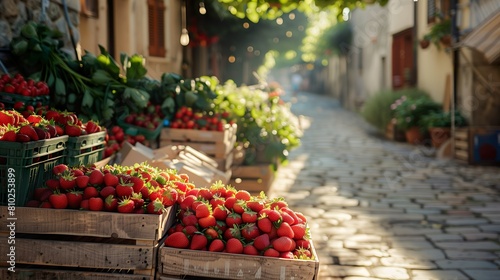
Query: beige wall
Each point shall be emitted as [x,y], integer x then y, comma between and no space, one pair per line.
[131,33]
[434,64]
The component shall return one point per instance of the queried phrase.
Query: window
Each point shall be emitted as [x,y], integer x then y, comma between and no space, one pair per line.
[437,9]
[89,8]
[156,26]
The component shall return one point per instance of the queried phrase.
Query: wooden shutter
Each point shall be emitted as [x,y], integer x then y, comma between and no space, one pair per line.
[156,26]
[431,11]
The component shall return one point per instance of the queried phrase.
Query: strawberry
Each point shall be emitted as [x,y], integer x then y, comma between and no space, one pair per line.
[107,191]
[278,204]
[203,210]
[177,240]
[110,179]
[261,242]
[205,194]
[243,195]
[220,213]
[187,202]
[90,192]
[233,219]
[208,221]
[137,199]
[250,231]
[303,254]
[124,189]
[9,135]
[137,183]
[230,201]
[190,230]
[34,119]
[52,184]
[188,218]
[234,246]
[126,206]
[41,133]
[217,245]
[58,200]
[30,131]
[96,204]
[303,243]
[77,172]
[20,137]
[6,118]
[92,127]
[274,215]
[96,177]
[249,249]
[52,115]
[82,181]
[271,252]
[283,244]
[85,204]
[155,207]
[249,216]
[233,232]
[42,194]
[255,206]
[59,169]
[211,233]
[74,199]
[285,230]
[287,255]
[110,203]
[45,204]
[67,181]
[169,197]
[299,230]
[33,203]
[286,217]
[238,207]
[198,242]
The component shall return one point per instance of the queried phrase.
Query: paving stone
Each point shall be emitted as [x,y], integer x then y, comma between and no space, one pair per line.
[490,228]
[365,245]
[362,278]
[390,273]
[344,271]
[407,262]
[444,237]
[373,253]
[425,211]
[470,255]
[466,221]
[356,261]
[461,229]
[339,216]
[425,254]
[469,245]
[412,244]
[468,264]
[479,236]
[481,274]
[438,275]
[364,238]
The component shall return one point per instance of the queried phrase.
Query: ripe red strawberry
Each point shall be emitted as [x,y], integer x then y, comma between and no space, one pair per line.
[96,177]
[283,244]
[190,230]
[274,215]
[107,191]
[74,199]
[198,242]
[234,246]
[287,255]
[72,130]
[42,194]
[188,218]
[23,138]
[52,184]
[261,242]
[52,115]
[220,213]
[89,192]
[82,181]
[270,252]
[299,230]
[211,233]
[177,240]
[45,204]
[303,243]
[137,184]
[187,202]
[208,221]
[205,194]
[67,181]
[233,219]
[285,230]
[303,254]
[10,136]
[96,204]
[169,196]
[285,217]
[58,200]
[110,203]
[126,206]
[34,119]
[30,131]
[92,127]
[203,210]
[155,207]
[250,231]
[6,118]
[42,134]
[230,201]
[233,232]
[249,216]
[59,169]
[264,224]
[217,245]
[85,204]
[255,205]
[33,203]
[250,249]
[110,179]
[278,204]
[77,172]
[243,195]
[292,214]
[137,199]
[124,189]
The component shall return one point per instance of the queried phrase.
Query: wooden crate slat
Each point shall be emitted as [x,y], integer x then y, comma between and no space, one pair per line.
[43,274]
[81,254]
[252,178]
[88,223]
[180,262]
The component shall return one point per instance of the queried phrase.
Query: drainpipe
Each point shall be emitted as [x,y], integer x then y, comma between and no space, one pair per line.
[111,27]
[415,46]
[455,57]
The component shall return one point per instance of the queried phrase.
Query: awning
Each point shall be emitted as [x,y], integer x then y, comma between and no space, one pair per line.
[485,38]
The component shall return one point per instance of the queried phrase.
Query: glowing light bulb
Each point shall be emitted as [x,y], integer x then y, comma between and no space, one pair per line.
[202,9]
[184,37]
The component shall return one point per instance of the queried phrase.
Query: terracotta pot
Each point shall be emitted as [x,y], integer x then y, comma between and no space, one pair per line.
[424,44]
[414,135]
[439,135]
[446,40]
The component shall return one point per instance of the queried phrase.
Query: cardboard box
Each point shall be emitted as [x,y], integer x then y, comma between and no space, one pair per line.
[201,169]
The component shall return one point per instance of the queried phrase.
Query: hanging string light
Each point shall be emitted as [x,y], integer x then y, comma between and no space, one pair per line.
[202,9]
[184,40]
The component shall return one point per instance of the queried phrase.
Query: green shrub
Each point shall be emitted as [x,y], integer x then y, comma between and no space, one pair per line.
[409,112]
[377,108]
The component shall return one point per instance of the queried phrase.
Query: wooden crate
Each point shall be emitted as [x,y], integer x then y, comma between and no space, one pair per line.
[216,144]
[467,139]
[252,178]
[50,240]
[192,264]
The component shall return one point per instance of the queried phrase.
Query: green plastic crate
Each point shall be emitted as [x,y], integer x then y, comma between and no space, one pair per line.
[85,149]
[133,130]
[26,154]
[9,99]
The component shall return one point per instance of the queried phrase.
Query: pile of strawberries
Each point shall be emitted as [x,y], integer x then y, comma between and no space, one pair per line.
[222,219]
[18,84]
[186,118]
[150,118]
[140,189]
[14,127]
[116,137]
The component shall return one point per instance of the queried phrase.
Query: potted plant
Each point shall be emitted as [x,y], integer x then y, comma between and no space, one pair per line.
[440,33]
[425,42]
[408,114]
[439,125]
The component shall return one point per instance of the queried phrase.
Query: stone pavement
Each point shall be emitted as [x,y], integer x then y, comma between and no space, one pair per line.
[385,210]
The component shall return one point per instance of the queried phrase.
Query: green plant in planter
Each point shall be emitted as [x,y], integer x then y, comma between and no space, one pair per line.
[443,119]
[440,33]
[409,112]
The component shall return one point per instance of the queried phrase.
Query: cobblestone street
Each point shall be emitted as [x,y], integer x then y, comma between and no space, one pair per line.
[385,210]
